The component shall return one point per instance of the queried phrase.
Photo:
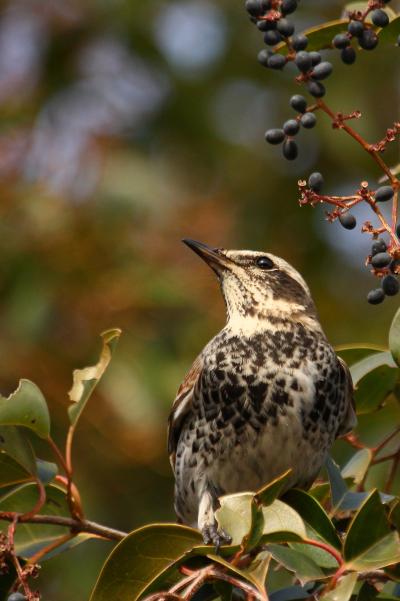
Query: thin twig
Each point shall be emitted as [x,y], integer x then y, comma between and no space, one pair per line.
[75,526]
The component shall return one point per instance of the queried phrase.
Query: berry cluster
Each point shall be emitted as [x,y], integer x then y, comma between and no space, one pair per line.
[360,31]
[384,258]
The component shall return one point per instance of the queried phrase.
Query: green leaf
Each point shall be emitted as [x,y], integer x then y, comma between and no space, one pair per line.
[17,446]
[394,337]
[12,472]
[26,407]
[390,33]
[30,538]
[234,515]
[353,353]
[343,591]
[291,593]
[368,526]
[258,569]
[358,465]
[368,364]
[266,495]
[339,487]
[142,559]
[282,523]
[383,553]
[374,388]
[322,558]
[85,380]
[238,572]
[312,513]
[295,561]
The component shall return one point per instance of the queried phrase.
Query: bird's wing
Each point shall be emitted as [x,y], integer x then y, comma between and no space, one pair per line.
[349,420]
[182,406]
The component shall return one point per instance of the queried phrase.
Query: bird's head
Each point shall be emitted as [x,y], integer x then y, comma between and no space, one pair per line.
[256,285]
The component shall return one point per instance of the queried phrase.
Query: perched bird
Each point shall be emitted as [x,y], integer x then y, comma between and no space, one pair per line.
[266,394]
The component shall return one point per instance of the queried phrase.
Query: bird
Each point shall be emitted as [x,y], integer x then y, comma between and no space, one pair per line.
[267,394]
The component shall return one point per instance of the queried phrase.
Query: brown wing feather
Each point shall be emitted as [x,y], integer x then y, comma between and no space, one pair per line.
[350,420]
[181,407]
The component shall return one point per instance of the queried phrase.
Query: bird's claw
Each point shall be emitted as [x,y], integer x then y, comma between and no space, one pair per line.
[214,536]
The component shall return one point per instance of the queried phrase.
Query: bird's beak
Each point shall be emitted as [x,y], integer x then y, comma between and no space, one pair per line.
[214,257]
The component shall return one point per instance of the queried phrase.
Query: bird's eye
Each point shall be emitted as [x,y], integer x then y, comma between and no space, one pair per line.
[264,263]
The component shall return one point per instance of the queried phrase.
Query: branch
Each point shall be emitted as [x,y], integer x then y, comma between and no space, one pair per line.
[75,526]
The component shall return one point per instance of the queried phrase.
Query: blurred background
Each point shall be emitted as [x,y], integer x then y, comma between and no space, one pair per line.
[126,126]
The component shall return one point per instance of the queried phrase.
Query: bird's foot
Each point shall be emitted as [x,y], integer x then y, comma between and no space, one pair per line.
[214,536]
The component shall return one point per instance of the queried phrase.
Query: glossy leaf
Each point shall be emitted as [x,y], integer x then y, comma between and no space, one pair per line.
[142,558]
[314,514]
[383,553]
[266,495]
[258,569]
[85,380]
[234,515]
[358,465]
[16,445]
[295,561]
[343,591]
[353,353]
[30,538]
[368,526]
[374,388]
[352,501]
[322,558]
[26,407]
[282,523]
[368,364]
[238,572]
[394,338]
[12,472]
[339,488]
[290,593]
[390,33]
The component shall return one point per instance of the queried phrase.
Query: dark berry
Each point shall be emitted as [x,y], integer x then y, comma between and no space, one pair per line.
[381,260]
[390,285]
[290,150]
[368,40]
[257,7]
[263,57]
[341,40]
[303,61]
[316,181]
[263,25]
[298,103]
[374,297]
[348,55]
[322,71]
[272,37]
[395,266]
[348,221]
[275,136]
[308,120]
[291,127]
[285,27]
[355,28]
[378,246]
[299,42]
[276,61]
[316,89]
[316,58]
[384,193]
[379,18]
[288,6]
